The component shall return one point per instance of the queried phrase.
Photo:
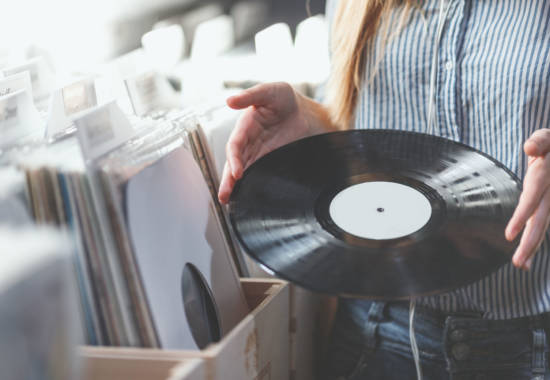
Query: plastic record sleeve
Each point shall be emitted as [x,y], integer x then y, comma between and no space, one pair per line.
[376,214]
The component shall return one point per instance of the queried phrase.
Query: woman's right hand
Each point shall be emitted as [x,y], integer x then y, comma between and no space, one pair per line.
[275,115]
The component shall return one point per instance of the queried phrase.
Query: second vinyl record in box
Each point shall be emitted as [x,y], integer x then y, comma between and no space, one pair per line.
[378,214]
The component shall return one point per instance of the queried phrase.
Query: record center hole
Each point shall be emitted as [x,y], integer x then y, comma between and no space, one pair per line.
[380,209]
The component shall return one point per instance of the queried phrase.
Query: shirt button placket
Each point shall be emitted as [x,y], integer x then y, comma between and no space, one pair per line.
[449,70]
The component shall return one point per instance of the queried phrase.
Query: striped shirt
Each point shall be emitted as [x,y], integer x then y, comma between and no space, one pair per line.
[492,92]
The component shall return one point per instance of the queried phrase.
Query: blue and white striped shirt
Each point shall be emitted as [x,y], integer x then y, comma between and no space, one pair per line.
[492,92]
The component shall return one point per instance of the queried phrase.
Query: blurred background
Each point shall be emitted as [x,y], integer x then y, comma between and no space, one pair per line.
[202,47]
[78,34]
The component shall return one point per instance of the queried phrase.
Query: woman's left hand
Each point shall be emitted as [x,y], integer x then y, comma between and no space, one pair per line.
[533,209]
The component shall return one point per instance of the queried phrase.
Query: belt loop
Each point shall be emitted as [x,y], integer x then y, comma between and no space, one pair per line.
[375,315]
[376,312]
[546,326]
[538,360]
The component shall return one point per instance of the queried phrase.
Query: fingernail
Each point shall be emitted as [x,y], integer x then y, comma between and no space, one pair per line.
[528,263]
[508,230]
[507,234]
[517,261]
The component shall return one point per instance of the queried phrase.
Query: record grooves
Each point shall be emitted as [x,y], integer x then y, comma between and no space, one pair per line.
[376,213]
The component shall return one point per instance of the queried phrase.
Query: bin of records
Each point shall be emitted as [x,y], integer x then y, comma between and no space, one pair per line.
[257,348]
[172,256]
[156,263]
[133,364]
[152,258]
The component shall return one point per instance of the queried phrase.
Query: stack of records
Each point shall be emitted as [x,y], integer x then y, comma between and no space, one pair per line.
[208,138]
[172,245]
[59,195]
[153,257]
[215,125]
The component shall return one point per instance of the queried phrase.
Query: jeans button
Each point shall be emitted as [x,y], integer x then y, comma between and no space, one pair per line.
[458,335]
[460,351]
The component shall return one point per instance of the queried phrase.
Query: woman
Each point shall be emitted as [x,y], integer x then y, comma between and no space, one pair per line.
[475,71]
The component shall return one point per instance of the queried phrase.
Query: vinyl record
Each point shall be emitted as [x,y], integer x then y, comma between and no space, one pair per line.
[376,213]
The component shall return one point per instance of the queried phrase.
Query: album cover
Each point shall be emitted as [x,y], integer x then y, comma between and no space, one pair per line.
[171,222]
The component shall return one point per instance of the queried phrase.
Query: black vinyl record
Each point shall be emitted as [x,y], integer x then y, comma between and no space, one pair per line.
[376,213]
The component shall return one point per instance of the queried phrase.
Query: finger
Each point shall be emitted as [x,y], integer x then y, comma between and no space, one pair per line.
[237,150]
[536,182]
[531,251]
[534,233]
[227,184]
[538,144]
[234,157]
[242,140]
[258,95]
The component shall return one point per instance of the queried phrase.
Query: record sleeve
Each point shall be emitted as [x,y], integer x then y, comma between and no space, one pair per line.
[172,222]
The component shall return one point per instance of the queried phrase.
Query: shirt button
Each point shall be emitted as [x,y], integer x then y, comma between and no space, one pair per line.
[448,65]
[460,351]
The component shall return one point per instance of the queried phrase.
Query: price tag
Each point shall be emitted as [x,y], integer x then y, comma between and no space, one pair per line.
[16,82]
[102,129]
[149,92]
[66,103]
[9,114]
[42,77]
[79,96]
[18,118]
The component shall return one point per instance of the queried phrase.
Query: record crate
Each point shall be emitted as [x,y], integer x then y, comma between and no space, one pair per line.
[258,348]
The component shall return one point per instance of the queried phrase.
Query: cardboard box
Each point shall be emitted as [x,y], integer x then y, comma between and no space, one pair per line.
[125,364]
[256,349]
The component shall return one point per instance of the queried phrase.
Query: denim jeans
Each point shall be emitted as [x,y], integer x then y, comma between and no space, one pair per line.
[370,340]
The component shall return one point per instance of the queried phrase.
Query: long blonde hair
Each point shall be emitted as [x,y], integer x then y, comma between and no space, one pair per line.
[355,25]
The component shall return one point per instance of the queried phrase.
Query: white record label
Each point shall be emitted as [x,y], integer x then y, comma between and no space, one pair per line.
[380,210]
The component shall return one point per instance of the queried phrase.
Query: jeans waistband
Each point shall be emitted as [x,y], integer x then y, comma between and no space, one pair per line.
[400,310]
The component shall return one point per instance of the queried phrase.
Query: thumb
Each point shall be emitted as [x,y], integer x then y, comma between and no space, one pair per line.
[258,95]
[538,144]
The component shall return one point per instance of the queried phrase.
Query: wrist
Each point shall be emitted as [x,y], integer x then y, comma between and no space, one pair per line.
[316,116]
